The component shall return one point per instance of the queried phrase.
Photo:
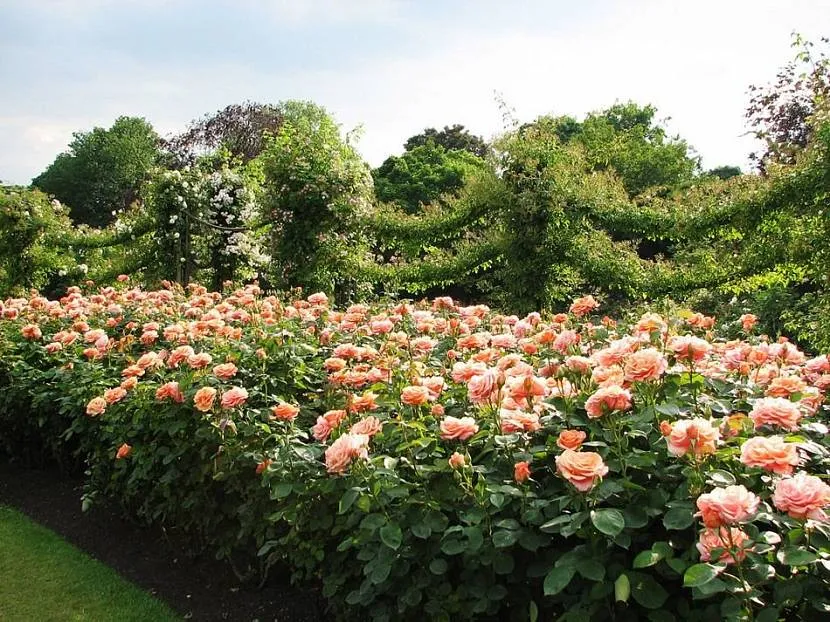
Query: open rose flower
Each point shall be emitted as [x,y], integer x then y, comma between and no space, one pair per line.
[645,365]
[115,395]
[415,395]
[802,496]
[571,439]
[453,428]
[697,436]
[608,399]
[583,306]
[285,411]
[581,468]
[368,426]
[733,541]
[326,423]
[234,397]
[777,412]
[345,450]
[482,388]
[225,371]
[204,398]
[521,472]
[96,406]
[771,453]
[727,506]
[688,348]
[518,421]
[170,390]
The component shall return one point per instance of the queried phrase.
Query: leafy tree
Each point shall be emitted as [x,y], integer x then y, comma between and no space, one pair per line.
[779,113]
[239,128]
[724,172]
[103,170]
[422,174]
[451,138]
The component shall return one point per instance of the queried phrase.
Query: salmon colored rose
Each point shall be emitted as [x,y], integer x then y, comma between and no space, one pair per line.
[571,439]
[263,466]
[199,361]
[727,506]
[521,472]
[771,453]
[368,426]
[204,398]
[344,451]
[123,451]
[96,406]
[748,321]
[645,365]
[453,428]
[802,496]
[234,397]
[285,411]
[583,306]
[518,421]
[482,388]
[688,348]
[31,332]
[362,403]
[608,399]
[776,411]
[457,460]
[128,384]
[326,423]
[581,468]
[732,540]
[114,395]
[225,371]
[415,395]
[697,436]
[785,386]
[170,390]
[437,410]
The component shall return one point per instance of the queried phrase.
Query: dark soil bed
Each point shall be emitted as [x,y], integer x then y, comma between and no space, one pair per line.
[200,588]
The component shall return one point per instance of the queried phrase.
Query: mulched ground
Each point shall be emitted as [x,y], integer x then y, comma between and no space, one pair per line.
[198,588]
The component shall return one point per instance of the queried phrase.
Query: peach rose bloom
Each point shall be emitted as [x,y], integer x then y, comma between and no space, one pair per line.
[55,346]
[326,423]
[437,410]
[776,411]
[225,371]
[522,388]
[518,421]
[345,450]
[435,385]
[748,321]
[608,376]
[285,411]
[204,398]
[31,332]
[689,348]
[368,426]
[114,395]
[481,389]
[170,390]
[802,496]
[334,363]
[771,453]
[318,298]
[571,439]
[583,306]
[645,365]
[178,355]
[726,506]
[579,364]
[565,340]
[234,397]
[581,468]
[130,383]
[96,406]
[521,472]
[608,399]
[263,466]
[722,538]
[785,386]
[453,428]
[696,435]
[649,323]
[362,403]
[457,460]
[123,451]
[199,361]
[463,372]
[415,395]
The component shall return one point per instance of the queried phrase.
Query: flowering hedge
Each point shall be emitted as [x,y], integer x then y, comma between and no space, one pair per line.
[445,461]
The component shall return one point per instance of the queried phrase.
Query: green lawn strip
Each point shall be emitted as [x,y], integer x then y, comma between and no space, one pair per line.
[44,578]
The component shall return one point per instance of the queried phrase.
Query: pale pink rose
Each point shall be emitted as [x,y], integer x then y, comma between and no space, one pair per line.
[55,346]
[522,388]
[457,460]
[727,506]
[518,421]
[785,386]
[381,327]
[732,540]
[453,428]
[318,299]
[578,364]
[482,389]
[802,496]
[645,365]
[776,411]
[770,453]
[581,468]
[608,399]
[615,352]
[565,340]
[368,426]
[204,398]
[463,372]
[503,341]
[225,371]
[234,397]
[698,436]
[345,450]
[608,376]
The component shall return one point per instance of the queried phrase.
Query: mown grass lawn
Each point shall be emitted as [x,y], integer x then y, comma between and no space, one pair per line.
[44,578]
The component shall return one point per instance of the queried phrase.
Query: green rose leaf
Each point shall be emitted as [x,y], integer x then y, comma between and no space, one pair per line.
[557,579]
[391,536]
[608,521]
[700,574]
[795,556]
[678,518]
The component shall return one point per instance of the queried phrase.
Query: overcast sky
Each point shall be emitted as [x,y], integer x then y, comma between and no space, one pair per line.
[393,67]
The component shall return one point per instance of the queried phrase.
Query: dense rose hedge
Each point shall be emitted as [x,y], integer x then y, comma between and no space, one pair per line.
[433,460]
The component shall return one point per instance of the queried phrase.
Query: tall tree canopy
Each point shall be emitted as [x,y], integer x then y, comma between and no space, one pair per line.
[102,170]
[451,138]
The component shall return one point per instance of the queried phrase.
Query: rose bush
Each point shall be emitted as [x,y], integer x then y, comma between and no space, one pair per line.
[441,460]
